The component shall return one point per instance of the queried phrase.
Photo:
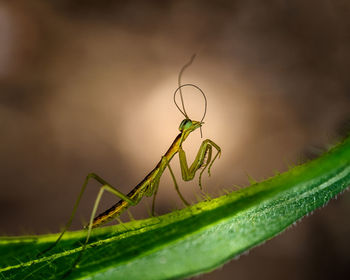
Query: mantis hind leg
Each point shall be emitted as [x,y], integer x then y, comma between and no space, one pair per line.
[203,159]
[105,186]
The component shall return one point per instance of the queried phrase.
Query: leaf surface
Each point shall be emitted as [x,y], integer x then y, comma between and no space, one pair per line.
[186,242]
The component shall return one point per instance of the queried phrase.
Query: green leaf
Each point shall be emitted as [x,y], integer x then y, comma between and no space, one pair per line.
[189,241]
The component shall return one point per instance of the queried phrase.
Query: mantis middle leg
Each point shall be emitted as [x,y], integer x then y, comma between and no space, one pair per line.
[156,185]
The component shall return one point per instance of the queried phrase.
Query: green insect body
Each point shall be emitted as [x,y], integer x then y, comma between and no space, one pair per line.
[149,185]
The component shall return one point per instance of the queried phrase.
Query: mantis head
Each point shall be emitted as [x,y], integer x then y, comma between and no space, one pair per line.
[188,125]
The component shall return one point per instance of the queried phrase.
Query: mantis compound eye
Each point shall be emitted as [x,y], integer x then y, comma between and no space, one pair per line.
[185,124]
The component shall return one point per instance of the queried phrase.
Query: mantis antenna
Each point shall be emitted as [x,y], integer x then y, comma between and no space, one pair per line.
[183,112]
[179,84]
[180,91]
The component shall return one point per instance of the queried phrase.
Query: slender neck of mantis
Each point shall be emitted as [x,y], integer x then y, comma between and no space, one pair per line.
[184,135]
[174,148]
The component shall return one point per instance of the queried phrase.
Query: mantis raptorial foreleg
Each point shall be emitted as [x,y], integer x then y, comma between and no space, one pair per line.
[205,149]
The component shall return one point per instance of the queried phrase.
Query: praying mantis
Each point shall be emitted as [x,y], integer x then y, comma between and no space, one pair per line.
[149,185]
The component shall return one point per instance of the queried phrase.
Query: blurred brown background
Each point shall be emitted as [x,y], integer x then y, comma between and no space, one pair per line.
[87,86]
